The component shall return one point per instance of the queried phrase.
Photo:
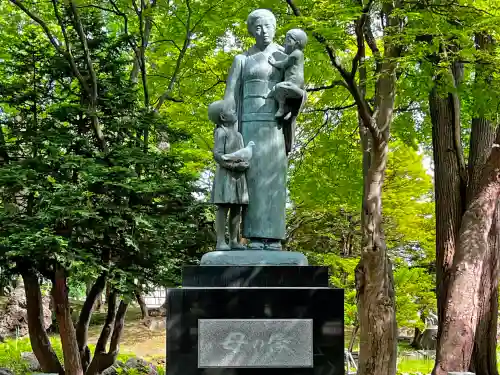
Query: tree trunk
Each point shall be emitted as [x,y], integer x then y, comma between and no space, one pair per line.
[142,305]
[482,137]
[39,339]
[484,359]
[353,337]
[415,344]
[461,314]
[108,292]
[72,362]
[374,281]
[93,293]
[448,190]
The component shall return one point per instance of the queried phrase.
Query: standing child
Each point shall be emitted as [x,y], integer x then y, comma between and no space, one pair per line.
[293,64]
[229,193]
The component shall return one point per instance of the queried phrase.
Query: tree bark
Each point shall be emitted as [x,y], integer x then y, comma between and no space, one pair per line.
[93,293]
[484,353]
[102,359]
[482,137]
[72,362]
[448,189]
[417,337]
[374,282]
[461,314]
[484,358]
[142,305]
[353,337]
[39,339]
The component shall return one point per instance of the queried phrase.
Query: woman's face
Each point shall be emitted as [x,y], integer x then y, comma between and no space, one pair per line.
[263,31]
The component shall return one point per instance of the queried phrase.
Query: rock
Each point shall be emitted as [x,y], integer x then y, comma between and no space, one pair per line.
[5,371]
[155,324]
[14,320]
[110,371]
[30,358]
[142,366]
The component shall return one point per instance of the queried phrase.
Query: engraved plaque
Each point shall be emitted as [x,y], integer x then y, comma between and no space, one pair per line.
[265,343]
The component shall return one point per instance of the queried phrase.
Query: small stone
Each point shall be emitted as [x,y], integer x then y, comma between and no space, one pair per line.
[142,366]
[32,361]
[5,371]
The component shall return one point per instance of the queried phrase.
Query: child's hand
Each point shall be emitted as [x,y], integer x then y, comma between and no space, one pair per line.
[272,60]
[241,166]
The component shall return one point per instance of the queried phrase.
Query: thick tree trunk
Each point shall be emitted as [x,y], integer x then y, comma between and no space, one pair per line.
[484,359]
[484,352]
[38,336]
[72,362]
[461,314]
[448,187]
[482,137]
[142,305]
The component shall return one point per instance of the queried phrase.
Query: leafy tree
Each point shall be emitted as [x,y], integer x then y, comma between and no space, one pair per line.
[84,193]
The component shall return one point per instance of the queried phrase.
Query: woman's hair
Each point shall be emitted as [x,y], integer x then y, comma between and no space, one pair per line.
[300,36]
[258,14]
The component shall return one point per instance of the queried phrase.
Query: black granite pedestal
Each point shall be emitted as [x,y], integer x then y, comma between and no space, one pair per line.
[233,320]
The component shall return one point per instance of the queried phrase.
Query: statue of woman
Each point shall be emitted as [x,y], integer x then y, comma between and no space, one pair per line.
[249,84]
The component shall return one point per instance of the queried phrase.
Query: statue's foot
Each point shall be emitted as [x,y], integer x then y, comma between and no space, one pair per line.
[237,246]
[222,247]
[256,245]
[274,246]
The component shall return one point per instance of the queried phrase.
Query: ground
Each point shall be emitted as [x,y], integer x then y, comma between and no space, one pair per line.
[138,340]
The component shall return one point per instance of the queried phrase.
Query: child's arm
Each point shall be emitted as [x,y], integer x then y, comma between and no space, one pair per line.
[283,64]
[219,140]
[295,57]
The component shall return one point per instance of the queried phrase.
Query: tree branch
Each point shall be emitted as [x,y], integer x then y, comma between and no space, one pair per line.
[360,40]
[86,311]
[182,53]
[93,78]
[103,360]
[53,40]
[106,329]
[327,87]
[118,329]
[329,109]
[204,14]
[364,109]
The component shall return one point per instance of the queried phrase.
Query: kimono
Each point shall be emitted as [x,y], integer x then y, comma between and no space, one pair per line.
[230,185]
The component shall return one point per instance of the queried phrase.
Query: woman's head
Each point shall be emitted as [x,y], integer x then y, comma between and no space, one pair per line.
[261,25]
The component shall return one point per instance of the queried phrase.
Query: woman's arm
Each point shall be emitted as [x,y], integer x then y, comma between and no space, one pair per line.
[233,81]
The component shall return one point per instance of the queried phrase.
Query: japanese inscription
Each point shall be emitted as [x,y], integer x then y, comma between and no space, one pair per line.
[255,343]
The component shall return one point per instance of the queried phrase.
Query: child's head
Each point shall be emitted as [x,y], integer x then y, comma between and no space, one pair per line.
[221,113]
[295,39]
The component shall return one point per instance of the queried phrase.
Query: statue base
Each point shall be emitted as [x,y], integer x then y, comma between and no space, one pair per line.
[254,258]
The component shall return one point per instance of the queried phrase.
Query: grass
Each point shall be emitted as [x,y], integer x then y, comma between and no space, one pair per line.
[423,366]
